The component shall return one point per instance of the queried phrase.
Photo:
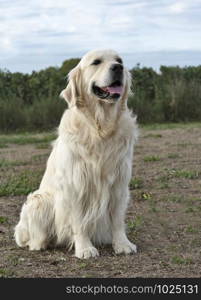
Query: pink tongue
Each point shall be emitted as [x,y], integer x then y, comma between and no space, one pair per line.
[114,89]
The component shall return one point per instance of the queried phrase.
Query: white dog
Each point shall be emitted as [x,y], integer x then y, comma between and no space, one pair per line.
[84,193]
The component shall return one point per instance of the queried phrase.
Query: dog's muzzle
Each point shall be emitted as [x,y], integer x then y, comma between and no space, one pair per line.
[113,91]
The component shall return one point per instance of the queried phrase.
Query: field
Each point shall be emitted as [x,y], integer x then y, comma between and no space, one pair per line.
[163,219]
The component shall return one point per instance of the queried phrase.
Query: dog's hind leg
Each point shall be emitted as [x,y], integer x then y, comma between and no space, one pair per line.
[35,228]
[22,228]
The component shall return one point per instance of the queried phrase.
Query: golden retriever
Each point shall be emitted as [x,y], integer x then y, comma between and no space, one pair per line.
[83,196]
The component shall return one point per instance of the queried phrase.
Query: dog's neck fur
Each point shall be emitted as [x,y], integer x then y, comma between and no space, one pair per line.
[96,116]
[104,116]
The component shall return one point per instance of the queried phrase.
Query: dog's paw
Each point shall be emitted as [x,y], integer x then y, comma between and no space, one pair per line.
[87,253]
[21,236]
[37,246]
[125,247]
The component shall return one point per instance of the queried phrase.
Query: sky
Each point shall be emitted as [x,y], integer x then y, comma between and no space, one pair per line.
[36,34]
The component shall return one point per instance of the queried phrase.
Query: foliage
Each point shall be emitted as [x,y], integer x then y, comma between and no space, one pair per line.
[172,95]
[31,101]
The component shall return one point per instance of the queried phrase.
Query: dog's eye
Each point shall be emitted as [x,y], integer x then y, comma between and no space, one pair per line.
[119,60]
[96,62]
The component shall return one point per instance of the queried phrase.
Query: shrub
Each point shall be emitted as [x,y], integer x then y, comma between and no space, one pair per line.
[31,101]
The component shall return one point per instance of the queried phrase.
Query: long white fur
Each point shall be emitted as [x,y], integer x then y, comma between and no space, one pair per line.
[83,196]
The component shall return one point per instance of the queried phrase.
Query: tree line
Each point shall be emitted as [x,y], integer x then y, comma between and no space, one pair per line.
[30,102]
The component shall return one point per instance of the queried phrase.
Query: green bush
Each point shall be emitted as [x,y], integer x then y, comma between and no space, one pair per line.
[172,95]
[31,101]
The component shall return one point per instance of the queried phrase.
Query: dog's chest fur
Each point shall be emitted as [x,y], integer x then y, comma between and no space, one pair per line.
[88,163]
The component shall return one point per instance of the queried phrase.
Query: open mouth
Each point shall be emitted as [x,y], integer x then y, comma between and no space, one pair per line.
[113,91]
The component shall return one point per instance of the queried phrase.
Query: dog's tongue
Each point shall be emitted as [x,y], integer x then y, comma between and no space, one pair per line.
[113,89]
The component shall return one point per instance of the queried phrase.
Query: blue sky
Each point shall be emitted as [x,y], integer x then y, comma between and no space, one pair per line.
[36,34]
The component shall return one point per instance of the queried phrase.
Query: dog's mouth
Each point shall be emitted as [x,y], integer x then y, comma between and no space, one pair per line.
[113,91]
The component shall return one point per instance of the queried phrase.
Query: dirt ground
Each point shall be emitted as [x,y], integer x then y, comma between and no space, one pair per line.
[163,219]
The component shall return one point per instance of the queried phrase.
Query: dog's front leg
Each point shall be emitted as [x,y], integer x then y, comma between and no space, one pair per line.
[120,242]
[83,246]
[69,228]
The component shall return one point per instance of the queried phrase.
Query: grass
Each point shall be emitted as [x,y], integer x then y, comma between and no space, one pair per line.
[176,173]
[42,146]
[153,205]
[3,145]
[83,265]
[164,185]
[153,135]
[136,183]
[193,209]
[4,273]
[27,138]
[191,229]
[8,163]
[173,155]
[192,203]
[151,158]
[136,224]
[186,174]
[175,198]
[184,145]
[21,184]
[39,157]
[14,163]
[194,199]
[164,126]
[163,178]
[13,260]
[178,260]
[3,220]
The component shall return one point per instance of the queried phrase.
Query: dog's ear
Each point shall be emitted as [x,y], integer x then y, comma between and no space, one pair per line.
[127,91]
[73,92]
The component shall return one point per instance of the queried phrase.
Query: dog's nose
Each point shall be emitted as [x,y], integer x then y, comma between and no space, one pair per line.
[117,68]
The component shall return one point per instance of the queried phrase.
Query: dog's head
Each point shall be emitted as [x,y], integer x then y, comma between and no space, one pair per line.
[100,76]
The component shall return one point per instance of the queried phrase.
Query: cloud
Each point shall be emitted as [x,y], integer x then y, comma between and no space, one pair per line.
[38,33]
[178,7]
